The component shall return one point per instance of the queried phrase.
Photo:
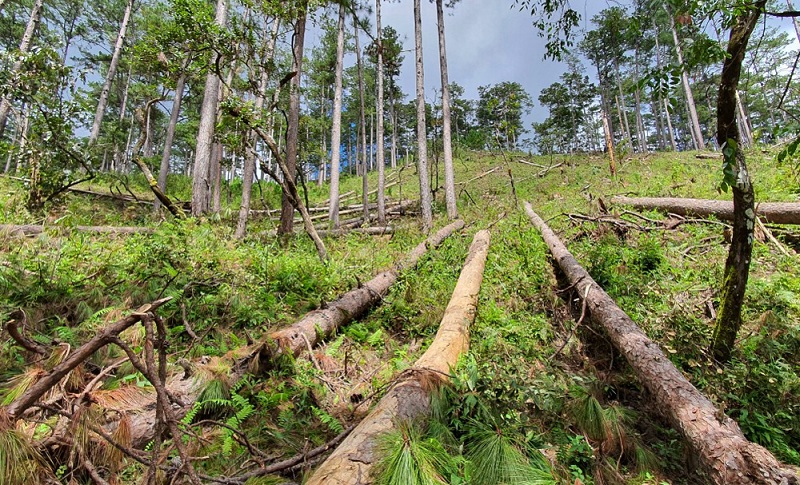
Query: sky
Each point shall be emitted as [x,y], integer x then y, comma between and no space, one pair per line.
[488,42]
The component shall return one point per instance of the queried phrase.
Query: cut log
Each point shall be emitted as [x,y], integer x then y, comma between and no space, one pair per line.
[36,229]
[307,331]
[351,463]
[103,338]
[726,455]
[372,231]
[775,212]
[321,323]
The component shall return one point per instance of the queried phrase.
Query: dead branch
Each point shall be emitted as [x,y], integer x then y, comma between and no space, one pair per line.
[21,340]
[174,209]
[104,337]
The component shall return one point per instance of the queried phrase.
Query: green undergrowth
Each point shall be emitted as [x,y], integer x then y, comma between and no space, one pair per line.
[539,399]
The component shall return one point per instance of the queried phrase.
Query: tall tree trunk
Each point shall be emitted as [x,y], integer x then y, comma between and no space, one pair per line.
[215,174]
[363,123]
[608,130]
[323,162]
[379,116]
[422,140]
[201,181]
[737,265]
[669,127]
[694,121]
[286,226]
[112,71]
[117,159]
[394,132]
[24,47]
[795,23]
[447,148]
[621,105]
[170,136]
[336,124]
[744,122]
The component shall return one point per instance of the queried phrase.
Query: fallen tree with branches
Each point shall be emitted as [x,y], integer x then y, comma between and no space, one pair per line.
[723,451]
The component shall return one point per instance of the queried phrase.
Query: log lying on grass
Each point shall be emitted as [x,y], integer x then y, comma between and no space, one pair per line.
[776,212]
[724,452]
[319,324]
[352,461]
[36,229]
[372,231]
[304,333]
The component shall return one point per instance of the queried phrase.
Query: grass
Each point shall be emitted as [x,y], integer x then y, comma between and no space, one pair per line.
[568,406]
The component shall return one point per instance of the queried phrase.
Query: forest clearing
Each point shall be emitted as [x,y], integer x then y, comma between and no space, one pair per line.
[324,280]
[541,377]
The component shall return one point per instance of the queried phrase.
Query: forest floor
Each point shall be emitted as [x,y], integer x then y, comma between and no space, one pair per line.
[531,372]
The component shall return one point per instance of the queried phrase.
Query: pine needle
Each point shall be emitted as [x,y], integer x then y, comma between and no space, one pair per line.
[408,458]
[20,463]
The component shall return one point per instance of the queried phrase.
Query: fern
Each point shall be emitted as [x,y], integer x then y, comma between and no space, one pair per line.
[243,411]
[330,421]
[376,339]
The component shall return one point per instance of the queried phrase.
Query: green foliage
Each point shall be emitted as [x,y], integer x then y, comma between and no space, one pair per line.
[19,460]
[494,459]
[409,458]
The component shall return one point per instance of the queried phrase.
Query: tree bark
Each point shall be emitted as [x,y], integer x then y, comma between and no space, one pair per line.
[336,123]
[362,124]
[293,123]
[694,121]
[170,137]
[422,135]
[447,142]
[104,337]
[201,181]
[112,72]
[775,212]
[737,265]
[381,161]
[724,452]
[250,158]
[24,47]
[351,463]
[321,323]
[140,115]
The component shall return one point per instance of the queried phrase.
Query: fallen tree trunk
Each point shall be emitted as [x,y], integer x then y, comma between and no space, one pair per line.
[776,212]
[319,324]
[36,229]
[104,337]
[372,231]
[724,452]
[351,463]
[306,332]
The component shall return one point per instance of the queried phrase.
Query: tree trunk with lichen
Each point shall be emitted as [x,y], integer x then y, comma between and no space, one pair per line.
[723,451]
[351,463]
[737,265]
